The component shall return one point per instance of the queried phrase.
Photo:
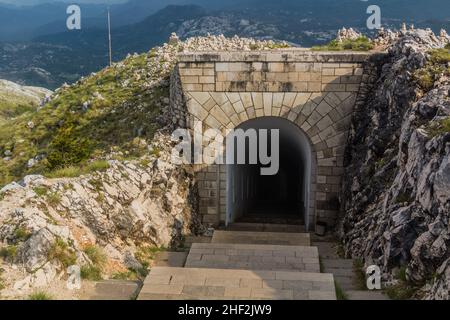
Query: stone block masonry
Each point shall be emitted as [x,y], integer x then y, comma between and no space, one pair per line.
[315,90]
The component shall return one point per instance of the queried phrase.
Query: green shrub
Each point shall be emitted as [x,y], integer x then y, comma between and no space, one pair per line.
[60,251]
[100,198]
[360,44]
[401,274]
[126,275]
[438,128]
[144,162]
[96,166]
[8,253]
[54,199]
[67,149]
[92,273]
[403,290]
[436,66]
[40,191]
[2,281]
[40,295]
[67,172]
[440,56]
[22,234]
[98,258]
[76,171]
[447,46]
[340,293]
[360,275]
[400,291]
[145,255]
[156,152]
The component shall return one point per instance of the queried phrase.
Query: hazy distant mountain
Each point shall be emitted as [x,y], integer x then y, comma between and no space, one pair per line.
[51,60]
[37,2]
[56,55]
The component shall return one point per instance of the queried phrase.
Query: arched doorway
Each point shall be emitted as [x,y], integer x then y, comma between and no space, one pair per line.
[280,198]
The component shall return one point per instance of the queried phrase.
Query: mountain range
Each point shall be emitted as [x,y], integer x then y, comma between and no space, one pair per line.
[41,51]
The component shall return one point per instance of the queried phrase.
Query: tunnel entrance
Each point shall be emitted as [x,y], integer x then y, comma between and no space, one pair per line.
[280,198]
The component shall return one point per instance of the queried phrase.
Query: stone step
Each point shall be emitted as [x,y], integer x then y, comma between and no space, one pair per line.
[365,295]
[253,257]
[254,237]
[265,227]
[327,250]
[170,259]
[346,283]
[115,290]
[338,263]
[196,239]
[197,283]
[340,272]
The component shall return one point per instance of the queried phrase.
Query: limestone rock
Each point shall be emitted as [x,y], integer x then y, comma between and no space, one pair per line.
[347,34]
[396,193]
[33,253]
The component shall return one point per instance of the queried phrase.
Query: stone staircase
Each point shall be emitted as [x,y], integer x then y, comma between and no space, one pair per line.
[344,272]
[254,257]
[255,237]
[245,265]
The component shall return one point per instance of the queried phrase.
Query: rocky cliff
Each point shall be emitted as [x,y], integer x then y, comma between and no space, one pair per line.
[396,200]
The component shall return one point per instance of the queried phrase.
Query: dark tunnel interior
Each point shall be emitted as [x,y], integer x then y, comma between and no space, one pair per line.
[278,198]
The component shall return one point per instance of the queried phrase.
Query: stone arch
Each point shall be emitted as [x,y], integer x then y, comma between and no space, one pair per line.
[324,117]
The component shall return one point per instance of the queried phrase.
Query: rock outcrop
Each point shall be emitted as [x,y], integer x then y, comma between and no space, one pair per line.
[396,203]
[10,90]
[147,202]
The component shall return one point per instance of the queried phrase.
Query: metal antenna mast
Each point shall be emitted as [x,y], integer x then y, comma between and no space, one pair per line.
[109,38]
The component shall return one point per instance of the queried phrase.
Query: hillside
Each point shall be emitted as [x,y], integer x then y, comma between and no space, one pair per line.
[107,112]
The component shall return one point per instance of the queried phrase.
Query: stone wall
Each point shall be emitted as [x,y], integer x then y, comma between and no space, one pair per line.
[315,90]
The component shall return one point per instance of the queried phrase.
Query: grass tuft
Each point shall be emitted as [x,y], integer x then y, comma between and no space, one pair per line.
[92,273]
[340,293]
[439,127]
[96,255]
[8,253]
[403,290]
[360,280]
[40,295]
[61,252]
[40,191]
[76,171]
[2,281]
[22,234]
[145,255]
[437,65]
